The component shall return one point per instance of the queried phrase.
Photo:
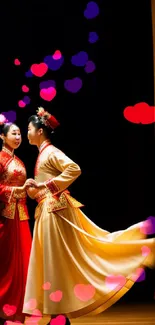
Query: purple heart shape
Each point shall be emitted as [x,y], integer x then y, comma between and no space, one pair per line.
[52,63]
[47,84]
[90,67]
[29,74]
[93,37]
[10,116]
[79,59]
[152,224]
[73,85]
[141,277]
[26,99]
[92,10]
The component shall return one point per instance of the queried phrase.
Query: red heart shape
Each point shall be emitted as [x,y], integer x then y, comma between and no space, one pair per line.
[48,94]
[9,310]
[17,62]
[140,113]
[84,292]
[39,70]
[21,103]
[25,89]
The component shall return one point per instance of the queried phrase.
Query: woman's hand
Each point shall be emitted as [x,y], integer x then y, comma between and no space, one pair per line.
[30,182]
[32,191]
[33,183]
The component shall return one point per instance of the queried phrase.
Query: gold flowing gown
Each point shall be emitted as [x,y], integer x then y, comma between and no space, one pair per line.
[77,268]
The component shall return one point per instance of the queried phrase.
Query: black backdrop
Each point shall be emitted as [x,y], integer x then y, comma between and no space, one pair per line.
[116,157]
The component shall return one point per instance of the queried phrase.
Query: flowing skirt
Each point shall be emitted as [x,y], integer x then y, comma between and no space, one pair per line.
[77,268]
[15,245]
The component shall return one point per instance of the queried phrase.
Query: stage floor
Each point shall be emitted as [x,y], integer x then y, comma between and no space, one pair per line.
[136,314]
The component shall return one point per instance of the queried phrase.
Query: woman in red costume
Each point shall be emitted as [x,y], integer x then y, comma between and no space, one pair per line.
[15,236]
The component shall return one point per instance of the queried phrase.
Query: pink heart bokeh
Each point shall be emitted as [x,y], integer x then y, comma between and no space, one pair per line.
[17,62]
[56,296]
[138,275]
[59,320]
[25,89]
[115,282]
[84,292]
[9,310]
[57,55]
[46,286]
[48,93]
[145,251]
[21,103]
[31,304]
[146,227]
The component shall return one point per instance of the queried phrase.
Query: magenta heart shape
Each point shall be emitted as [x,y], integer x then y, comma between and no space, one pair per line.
[39,70]
[48,93]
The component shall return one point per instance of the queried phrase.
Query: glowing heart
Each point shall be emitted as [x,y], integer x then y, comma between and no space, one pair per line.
[56,296]
[39,70]
[48,94]
[35,317]
[37,312]
[17,62]
[9,310]
[54,64]
[46,286]
[25,89]
[148,227]
[59,320]
[114,282]
[73,85]
[21,103]
[47,84]
[139,275]
[28,74]
[3,119]
[93,37]
[79,59]
[31,304]
[92,10]
[90,67]
[10,116]
[57,55]
[140,113]
[145,251]
[84,292]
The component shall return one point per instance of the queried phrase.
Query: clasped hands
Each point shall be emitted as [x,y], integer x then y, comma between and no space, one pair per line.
[30,182]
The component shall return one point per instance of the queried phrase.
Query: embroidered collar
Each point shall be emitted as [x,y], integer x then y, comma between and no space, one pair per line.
[44,144]
[8,150]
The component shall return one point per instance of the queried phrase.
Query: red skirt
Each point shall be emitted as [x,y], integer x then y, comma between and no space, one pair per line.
[15,246]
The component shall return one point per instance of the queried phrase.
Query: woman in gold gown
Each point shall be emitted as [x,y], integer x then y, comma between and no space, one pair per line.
[76,268]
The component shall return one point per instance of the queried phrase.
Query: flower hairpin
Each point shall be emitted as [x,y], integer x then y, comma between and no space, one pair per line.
[47,119]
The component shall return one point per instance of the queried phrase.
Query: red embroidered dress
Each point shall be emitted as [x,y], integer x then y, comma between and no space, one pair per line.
[15,236]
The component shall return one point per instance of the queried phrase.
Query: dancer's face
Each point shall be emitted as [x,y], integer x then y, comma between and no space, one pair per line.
[34,134]
[13,137]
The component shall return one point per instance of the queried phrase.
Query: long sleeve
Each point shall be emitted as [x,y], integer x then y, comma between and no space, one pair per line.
[5,190]
[12,177]
[70,171]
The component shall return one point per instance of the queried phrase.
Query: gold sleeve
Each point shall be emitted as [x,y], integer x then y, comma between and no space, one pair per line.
[69,172]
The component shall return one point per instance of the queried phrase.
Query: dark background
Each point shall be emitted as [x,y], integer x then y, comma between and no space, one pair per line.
[116,156]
